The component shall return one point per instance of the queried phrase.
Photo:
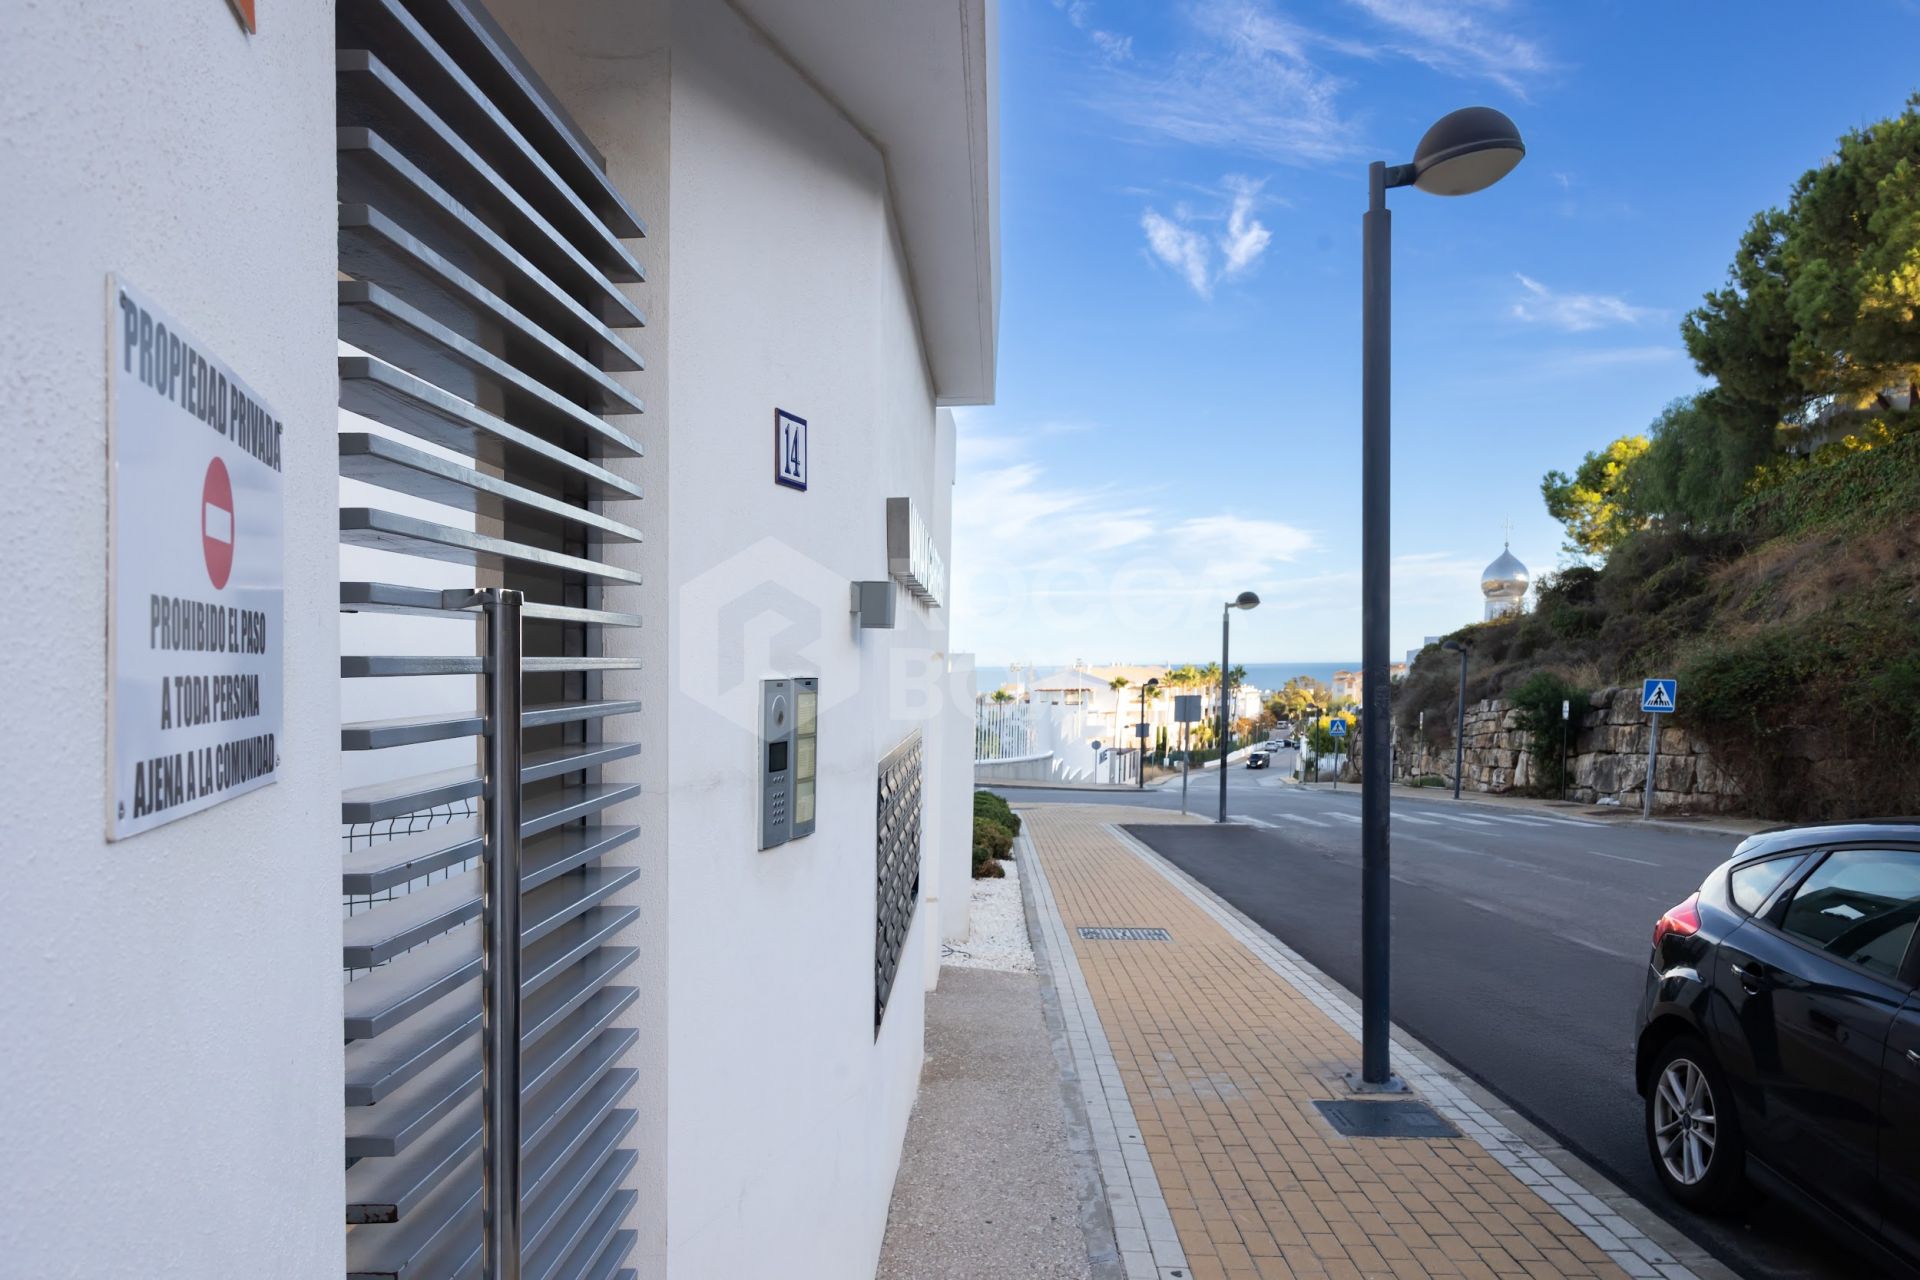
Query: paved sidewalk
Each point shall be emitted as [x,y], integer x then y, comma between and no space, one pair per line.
[1201,1057]
[968,1208]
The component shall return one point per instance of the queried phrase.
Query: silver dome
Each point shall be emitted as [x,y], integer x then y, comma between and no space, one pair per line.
[1505,578]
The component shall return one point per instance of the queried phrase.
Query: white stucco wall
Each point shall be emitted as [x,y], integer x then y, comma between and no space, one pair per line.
[172,1001]
[775,280]
[786,1114]
[953,842]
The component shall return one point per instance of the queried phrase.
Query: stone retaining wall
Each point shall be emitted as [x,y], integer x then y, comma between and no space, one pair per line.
[1606,756]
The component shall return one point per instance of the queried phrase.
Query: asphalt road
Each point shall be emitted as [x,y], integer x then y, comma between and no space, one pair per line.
[1520,945]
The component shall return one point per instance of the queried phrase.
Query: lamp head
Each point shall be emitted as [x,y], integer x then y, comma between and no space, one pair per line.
[1153,682]
[1467,151]
[1245,600]
[1456,646]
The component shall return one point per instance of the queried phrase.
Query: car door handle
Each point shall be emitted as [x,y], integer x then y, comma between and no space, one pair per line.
[1751,979]
[1828,1025]
[1913,1056]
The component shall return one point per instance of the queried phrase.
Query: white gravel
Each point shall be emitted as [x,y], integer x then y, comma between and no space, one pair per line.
[997,928]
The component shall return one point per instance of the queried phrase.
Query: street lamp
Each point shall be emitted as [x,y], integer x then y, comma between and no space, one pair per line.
[1245,600]
[1465,151]
[1462,648]
[1153,682]
[1306,740]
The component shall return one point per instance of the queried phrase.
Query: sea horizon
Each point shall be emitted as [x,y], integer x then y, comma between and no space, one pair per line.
[1261,675]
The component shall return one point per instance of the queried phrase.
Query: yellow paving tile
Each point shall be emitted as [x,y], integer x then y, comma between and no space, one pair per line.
[1222,1061]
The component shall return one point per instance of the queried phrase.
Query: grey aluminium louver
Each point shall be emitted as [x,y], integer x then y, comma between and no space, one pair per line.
[482,254]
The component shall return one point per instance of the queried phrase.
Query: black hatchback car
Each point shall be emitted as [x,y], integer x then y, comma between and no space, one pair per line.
[1780,1030]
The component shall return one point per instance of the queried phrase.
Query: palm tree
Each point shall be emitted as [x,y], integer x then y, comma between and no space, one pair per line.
[1001,695]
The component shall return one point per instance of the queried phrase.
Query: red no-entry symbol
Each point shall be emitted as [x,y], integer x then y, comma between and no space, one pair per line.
[216,523]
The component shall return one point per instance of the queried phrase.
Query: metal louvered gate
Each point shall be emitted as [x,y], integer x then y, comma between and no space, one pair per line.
[481,256]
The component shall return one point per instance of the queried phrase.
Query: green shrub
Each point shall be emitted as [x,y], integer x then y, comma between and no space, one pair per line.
[991,842]
[1536,703]
[987,804]
[1849,492]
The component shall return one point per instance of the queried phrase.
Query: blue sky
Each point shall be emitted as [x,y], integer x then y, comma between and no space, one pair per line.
[1181,189]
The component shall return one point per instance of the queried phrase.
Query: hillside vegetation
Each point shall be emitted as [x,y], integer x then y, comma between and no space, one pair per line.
[1761,541]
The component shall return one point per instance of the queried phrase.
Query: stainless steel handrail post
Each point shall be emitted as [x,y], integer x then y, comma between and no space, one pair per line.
[500,944]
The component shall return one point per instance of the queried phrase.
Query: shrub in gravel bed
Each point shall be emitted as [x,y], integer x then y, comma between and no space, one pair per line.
[987,804]
[990,843]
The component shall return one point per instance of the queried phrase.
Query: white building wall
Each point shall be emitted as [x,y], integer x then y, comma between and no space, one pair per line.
[172,1001]
[952,830]
[787,1113]
[771,1114]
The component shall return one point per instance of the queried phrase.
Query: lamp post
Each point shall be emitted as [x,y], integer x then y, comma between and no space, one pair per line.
[1462,648]
[1465,151]
[1153,682]
[1245,600]
[1313,727]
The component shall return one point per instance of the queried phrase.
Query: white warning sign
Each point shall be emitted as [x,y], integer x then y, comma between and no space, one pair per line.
[194,610]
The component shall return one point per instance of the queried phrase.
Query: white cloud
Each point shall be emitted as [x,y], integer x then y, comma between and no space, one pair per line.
[1182,249]
[1050,561]
[1575,312]
[1247,237]
[1178,243]
[1115,47]
[1243,83]
[1448,36]
[1046,561]
[1612,357]
[1243,77]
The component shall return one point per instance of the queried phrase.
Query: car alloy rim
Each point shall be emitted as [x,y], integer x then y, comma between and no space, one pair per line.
[1685,1127]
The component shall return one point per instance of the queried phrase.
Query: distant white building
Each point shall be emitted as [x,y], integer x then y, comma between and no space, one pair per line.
[1504,584]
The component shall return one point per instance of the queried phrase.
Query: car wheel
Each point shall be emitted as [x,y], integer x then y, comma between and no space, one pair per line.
[1693,1132]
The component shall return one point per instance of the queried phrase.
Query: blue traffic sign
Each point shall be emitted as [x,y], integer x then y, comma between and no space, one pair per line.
[1338,728]
[1658,696]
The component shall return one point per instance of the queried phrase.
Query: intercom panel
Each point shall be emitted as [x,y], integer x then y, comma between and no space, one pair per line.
[776,762]
[806,742]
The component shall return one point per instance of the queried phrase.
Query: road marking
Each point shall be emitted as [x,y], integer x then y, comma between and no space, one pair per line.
[1409,817]
[1518,822]
[1312,822]
[1621,857]
[1254,822]
[1458,817]
[1346,817]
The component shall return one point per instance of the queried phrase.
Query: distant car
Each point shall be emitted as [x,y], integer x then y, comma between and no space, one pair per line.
[1257,760]
[1275,744]
[1290,744]
[1780,1031]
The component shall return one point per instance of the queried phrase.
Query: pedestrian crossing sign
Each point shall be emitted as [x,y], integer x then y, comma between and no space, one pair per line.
[1657,696]
[1338,728]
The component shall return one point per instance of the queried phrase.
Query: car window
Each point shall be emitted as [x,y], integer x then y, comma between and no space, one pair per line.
[1860,905]
[1752,884]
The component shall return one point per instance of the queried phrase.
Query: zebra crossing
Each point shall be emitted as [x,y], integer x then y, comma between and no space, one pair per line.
[1327,818]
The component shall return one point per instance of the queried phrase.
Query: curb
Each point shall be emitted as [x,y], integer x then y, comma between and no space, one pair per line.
[1022,783]
[1096,1213]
